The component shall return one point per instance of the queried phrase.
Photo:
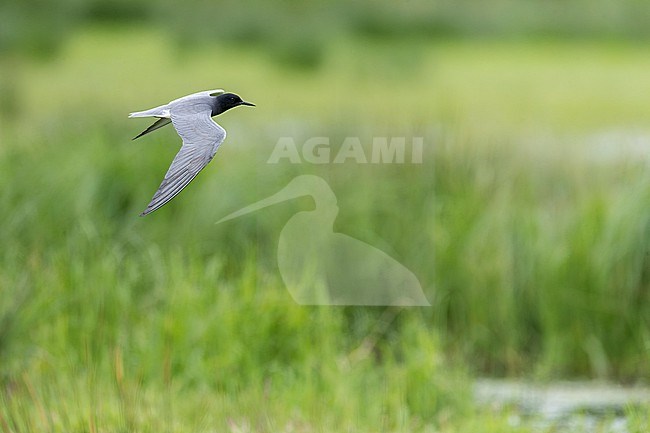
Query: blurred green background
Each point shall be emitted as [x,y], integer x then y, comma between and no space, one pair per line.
[527,223]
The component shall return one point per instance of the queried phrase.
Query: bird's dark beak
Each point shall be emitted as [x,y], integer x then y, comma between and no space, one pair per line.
[247,103]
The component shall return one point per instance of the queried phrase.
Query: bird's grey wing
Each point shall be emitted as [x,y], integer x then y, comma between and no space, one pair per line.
[201,139]
[156,125]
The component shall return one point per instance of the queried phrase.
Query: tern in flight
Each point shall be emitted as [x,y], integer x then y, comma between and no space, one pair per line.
[191,116]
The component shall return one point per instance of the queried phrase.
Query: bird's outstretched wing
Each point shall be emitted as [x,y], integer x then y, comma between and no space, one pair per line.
[201,139]
[156,125]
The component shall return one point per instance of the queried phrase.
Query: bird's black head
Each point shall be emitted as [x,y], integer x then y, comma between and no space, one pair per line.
[226,101]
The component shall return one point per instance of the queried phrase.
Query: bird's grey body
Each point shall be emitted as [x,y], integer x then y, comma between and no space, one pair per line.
[192,118]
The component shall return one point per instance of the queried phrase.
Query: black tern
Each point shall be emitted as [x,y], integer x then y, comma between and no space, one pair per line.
[191,116]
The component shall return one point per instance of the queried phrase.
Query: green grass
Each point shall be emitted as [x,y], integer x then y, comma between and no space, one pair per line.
[531,245]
